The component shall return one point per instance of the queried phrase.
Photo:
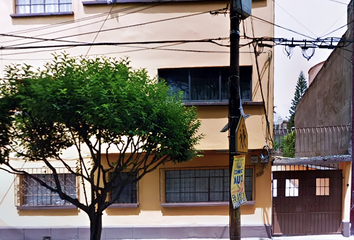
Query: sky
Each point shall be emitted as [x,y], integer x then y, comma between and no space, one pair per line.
[313,18]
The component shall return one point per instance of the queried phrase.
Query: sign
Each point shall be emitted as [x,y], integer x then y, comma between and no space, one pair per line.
[254,159]
[237,186]
[241,136]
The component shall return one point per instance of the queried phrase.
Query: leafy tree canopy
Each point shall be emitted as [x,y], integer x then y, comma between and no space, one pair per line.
[101,103]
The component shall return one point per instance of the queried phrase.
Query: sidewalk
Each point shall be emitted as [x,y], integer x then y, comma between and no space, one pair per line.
[308,237]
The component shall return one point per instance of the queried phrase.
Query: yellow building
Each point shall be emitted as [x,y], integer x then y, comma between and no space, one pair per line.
[188,200]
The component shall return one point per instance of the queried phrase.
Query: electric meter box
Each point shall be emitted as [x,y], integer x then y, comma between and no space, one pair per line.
[243,8]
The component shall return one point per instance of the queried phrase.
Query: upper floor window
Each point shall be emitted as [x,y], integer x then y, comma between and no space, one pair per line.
[32,193]
[206,84]
[42,6]
[202,185]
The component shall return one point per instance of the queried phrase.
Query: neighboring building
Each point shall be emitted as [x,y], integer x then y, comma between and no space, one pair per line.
[314,71]
[158,206]
[311,192]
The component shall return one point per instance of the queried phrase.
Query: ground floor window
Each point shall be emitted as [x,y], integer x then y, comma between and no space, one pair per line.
[32,193]
[202,185]
[129,193]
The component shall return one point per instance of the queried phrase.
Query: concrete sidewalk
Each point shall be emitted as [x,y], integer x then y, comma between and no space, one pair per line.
[307,237]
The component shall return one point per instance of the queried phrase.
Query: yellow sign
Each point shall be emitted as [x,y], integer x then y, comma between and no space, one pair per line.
[241,137]
[237,186]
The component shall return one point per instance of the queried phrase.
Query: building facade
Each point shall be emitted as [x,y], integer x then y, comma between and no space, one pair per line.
[317,182]
[188,200]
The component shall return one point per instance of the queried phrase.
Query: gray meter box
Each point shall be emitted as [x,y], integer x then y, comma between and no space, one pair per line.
[243,8]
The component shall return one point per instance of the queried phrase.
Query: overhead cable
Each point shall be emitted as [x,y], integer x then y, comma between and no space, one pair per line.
[211,40]
[132,25]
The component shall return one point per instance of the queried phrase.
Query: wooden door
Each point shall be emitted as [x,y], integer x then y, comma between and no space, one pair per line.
[307,202]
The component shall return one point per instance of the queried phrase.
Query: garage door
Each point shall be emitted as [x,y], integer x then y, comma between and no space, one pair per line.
[307,202]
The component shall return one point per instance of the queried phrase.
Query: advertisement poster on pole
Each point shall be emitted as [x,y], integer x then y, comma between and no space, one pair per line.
[237,186]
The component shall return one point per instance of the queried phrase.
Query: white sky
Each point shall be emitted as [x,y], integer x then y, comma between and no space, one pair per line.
[313,18]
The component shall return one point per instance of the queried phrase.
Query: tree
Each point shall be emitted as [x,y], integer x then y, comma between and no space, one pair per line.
[300,89]
[287,145]
[101,104]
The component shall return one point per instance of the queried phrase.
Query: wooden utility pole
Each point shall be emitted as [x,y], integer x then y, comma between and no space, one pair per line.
[234,112]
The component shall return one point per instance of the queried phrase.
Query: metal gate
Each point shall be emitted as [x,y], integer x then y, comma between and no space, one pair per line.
[307,202]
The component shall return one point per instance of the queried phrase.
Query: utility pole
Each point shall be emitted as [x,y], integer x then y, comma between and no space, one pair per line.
[239,9]
[234,112]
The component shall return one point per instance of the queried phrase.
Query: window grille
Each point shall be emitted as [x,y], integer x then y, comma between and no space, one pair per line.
[202,185]
[206,84]
[322,186]
[129,193]
[292,188]
[32,193]
[43,6]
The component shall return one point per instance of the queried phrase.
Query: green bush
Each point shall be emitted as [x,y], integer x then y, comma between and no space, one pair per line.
[288,145]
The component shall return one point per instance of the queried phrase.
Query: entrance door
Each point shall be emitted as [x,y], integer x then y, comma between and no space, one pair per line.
[307,202]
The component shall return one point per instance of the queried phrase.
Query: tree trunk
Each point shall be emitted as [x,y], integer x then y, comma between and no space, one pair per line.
[95,226]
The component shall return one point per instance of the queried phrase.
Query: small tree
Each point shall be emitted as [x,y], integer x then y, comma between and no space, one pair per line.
[287,145]
[300,89]
[101,104]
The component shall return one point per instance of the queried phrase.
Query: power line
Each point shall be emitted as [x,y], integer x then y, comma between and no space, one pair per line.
[294,18]
[276,25]
[116,11]
[36,38]
[338,2]
[134,25]
[323,34]
[211,40]
[318,43]
[339,28]
[37,51]
[100,28]
[70,22]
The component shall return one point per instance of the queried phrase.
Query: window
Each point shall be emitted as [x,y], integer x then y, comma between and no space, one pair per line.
[275,187]
[292,188]
[32,193]
[322,186]
[129,193]
[42,6]
[206,84]
[202,185]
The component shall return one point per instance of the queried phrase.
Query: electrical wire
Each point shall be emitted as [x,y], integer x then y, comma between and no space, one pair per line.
[135,25]
[80,26]
[37,51]
[211,40]
[73,21]
[262,95]
[36,38]
[335,30]
[88,50]
[337,2]
[323,34]
[141,48]
[276,25]
[294,18]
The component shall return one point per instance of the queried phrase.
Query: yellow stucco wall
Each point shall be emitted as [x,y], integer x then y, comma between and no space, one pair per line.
[213,118]
[149,212]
